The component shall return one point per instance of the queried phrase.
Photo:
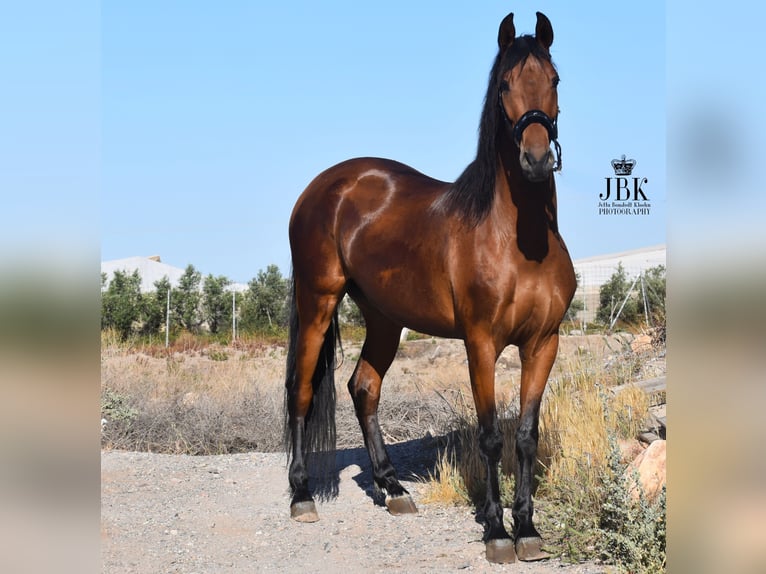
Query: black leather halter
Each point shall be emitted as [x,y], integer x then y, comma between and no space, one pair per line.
[534,117]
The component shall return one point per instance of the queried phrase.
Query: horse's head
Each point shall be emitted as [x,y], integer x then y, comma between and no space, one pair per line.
[528,97]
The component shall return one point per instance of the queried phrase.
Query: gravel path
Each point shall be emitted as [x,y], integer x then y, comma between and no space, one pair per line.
[211,514]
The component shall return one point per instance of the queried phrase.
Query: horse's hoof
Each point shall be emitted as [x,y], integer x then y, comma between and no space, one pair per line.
[501,551]
[402,504]
[304,511]
[530,549]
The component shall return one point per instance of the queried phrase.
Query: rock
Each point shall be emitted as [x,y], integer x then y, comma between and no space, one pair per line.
[630,449]
[650,465]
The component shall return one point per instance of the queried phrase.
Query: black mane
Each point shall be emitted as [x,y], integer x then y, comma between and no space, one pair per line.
[472,195]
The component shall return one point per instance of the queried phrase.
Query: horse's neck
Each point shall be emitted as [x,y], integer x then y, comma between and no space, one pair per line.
[516,193]
[526,210]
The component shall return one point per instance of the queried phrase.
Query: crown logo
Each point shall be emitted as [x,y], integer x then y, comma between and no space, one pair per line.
[623,166]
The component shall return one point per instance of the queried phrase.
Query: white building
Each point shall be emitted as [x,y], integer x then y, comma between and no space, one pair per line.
[151,269]
[595,271]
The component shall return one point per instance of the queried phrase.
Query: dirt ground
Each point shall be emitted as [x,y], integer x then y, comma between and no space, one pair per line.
[210,514]
[203,515]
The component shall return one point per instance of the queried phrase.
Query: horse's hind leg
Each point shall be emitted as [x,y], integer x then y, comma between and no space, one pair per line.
[378,352]
[315,314]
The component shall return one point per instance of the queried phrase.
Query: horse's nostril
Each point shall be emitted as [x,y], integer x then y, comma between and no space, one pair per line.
[531,160]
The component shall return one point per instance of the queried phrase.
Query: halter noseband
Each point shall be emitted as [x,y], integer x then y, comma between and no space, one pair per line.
[534,117]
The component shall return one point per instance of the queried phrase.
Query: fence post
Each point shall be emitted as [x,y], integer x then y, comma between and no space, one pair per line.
[233,315]
[167,321]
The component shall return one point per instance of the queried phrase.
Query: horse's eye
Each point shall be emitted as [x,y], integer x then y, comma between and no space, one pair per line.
[556,81]
[504,87]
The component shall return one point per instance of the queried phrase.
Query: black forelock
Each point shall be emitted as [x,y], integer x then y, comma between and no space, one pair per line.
[520,50]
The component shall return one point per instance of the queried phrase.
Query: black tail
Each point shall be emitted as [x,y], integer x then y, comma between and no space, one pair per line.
[319,435]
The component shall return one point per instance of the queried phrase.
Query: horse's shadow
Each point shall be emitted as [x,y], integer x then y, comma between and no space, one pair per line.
[414,460]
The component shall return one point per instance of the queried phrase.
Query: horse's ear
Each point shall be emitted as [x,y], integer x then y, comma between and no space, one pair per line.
[544,31]
[507,32]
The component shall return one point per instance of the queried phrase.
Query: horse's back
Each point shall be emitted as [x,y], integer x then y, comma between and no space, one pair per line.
[365,179]
[373,221]
[364,185]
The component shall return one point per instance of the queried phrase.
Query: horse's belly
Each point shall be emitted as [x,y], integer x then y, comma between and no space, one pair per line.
[409,298]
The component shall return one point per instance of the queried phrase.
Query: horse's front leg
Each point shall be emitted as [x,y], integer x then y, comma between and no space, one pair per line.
[536,364]
[482,355]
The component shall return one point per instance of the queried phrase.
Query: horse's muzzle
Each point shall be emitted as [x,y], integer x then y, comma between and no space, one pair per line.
[537,167]
[537,161]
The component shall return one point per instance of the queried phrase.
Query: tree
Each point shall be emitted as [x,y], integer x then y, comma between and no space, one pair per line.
[575,307]
[611,297]
[216,302]
[350,313]
[185,300]
[265,301]
[155,307]
[122,303]
[654,287]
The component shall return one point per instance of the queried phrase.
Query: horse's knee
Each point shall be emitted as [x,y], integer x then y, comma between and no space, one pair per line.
[526,443]
[491,442]
[527,436]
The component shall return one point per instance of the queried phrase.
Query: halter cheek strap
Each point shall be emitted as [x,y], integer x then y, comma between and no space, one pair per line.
[535,117]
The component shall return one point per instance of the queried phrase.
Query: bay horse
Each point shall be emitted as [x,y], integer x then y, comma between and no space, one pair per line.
[480,259]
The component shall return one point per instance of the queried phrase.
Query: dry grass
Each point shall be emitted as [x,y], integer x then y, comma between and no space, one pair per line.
[197,397]
[578,416]
[201,397]
[201,400]
[446,486]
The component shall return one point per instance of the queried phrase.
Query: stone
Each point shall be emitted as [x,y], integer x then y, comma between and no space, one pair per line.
[630,449]
[650,465]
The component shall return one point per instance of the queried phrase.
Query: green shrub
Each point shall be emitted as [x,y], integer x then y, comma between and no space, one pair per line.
[115,407]
[632,532]
[217,355]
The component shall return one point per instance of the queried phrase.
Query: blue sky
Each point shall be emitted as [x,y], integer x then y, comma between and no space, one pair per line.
[216,116]
[49,131]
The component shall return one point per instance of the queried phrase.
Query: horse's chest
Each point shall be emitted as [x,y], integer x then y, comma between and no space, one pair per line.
[535,298]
